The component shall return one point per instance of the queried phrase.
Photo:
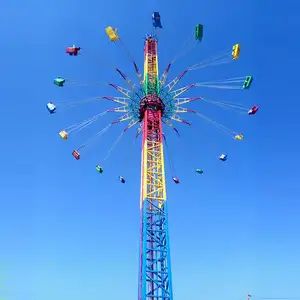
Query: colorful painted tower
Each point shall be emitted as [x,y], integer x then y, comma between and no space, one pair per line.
[155,277]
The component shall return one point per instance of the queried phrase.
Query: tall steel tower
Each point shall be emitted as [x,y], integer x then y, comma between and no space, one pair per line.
[155,277]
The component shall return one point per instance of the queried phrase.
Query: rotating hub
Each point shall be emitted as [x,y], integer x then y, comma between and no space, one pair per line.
[150,102]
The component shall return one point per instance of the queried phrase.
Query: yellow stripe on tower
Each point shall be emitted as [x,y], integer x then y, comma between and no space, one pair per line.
[145,67]
[154,185]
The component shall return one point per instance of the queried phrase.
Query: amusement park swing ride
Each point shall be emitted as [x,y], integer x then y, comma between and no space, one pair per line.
[150,105]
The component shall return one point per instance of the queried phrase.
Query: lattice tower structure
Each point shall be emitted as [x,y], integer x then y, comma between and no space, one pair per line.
[155,277]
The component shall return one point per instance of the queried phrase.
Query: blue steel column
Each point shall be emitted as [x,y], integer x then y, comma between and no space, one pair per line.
[156,271]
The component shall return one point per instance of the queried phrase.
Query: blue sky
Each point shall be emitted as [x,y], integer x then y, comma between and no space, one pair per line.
[67,232]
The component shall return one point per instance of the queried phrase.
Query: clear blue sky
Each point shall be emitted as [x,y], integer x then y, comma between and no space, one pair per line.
[67,232]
